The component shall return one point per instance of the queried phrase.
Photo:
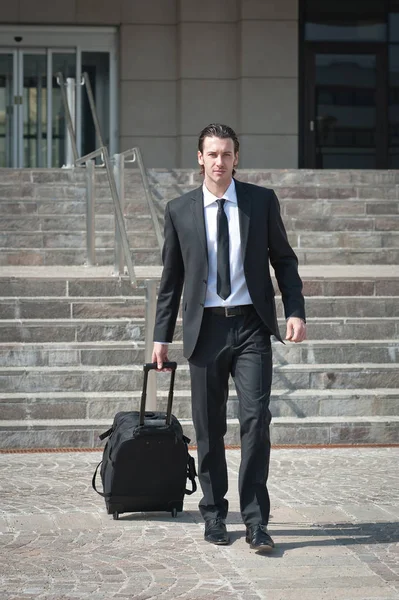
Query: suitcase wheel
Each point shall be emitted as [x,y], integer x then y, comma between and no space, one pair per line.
[174,512]
[115,515]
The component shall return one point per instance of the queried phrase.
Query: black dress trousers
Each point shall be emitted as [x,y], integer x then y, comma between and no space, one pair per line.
[238,346]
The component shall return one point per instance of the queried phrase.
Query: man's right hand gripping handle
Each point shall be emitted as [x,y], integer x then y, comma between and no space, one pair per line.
[160,355]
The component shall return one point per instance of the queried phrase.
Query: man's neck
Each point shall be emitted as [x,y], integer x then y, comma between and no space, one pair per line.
[216,190]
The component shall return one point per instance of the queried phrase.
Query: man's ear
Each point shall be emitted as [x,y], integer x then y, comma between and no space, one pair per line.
[200,158]
[235,159]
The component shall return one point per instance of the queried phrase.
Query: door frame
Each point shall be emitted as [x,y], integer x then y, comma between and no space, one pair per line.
[14,147]
[309,101]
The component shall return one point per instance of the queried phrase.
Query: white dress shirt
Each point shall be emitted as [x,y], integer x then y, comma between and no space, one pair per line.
[239,291]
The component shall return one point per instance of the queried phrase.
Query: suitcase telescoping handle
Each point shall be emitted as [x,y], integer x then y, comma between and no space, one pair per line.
[149,367]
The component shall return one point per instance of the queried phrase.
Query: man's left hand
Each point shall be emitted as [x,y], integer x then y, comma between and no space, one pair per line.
[296,330]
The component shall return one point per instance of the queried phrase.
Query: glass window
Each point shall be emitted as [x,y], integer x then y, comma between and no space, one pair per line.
[393,106]
[393,21]
[345,21]
[345,93]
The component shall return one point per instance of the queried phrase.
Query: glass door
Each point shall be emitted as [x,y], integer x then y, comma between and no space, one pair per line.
[44,137]
[33,131]
[33,124]
[345,122]
[33,109]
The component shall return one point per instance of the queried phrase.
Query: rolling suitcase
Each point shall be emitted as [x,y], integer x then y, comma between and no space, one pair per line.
[145,462]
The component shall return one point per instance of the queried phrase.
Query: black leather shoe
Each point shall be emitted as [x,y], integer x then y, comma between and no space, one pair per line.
[216,532]
[258,538]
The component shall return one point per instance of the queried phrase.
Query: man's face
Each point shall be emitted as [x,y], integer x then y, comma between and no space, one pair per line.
[218,159]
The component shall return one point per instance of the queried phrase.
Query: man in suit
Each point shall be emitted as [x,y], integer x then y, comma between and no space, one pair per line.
[219,240]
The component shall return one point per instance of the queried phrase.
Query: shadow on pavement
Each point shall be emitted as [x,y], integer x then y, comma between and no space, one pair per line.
[340,534]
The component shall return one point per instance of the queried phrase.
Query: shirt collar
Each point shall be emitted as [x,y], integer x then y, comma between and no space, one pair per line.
[230,194]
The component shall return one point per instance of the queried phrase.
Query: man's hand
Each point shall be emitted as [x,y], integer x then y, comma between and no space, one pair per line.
[160,355]
[296,330]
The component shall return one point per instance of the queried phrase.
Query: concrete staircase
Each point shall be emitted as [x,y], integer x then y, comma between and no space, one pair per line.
[44,218]
[72,337]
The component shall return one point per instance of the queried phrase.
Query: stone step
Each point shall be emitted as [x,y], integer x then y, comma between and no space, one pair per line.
[347,239]
[300,240]
[89,330]
[162,193]
[134,306]
[114,378]
[381,213]
[145,256]
[74,257]
[64,222]
[65,240]
[325,280]
[334,223]
[83,433]
[347,256]
[321,209]
[128,353]
[283,403]
[292,177]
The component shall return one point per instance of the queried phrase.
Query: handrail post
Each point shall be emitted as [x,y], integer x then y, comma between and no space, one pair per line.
[119,174]
[70,94]
[150,308]
[90,213]
[147,190]
[69,122]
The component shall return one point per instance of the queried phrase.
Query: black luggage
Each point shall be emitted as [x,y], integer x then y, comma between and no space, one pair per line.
[146,462]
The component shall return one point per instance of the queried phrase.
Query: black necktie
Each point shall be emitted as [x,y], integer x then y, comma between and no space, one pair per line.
[223,285]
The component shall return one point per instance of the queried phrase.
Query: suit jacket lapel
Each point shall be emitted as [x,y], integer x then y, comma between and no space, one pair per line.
[199,217]
[244,214]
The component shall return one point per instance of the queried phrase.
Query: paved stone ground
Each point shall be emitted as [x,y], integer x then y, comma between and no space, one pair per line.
[335,520]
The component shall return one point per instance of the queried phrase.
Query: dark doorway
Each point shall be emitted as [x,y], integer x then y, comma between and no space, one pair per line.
[345,106]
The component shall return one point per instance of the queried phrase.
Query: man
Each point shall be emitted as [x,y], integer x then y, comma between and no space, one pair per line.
[218,243]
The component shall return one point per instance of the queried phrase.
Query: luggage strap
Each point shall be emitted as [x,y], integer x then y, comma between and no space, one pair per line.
[104,435]
[93,481]
[191,475]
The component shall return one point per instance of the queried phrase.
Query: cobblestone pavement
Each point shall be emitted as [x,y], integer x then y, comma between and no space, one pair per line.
[335,520]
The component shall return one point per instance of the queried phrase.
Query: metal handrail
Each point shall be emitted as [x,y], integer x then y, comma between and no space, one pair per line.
[90,97]
[148,195]
[61,83]
[137,157]
[121,238]
[103,152]
[91,156]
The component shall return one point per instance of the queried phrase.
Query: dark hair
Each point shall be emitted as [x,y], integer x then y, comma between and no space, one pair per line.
[220,131]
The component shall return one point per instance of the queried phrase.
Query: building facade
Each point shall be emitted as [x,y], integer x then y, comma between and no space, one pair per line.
[305,83]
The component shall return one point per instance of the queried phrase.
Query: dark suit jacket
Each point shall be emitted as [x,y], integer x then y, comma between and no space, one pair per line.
[185,261]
